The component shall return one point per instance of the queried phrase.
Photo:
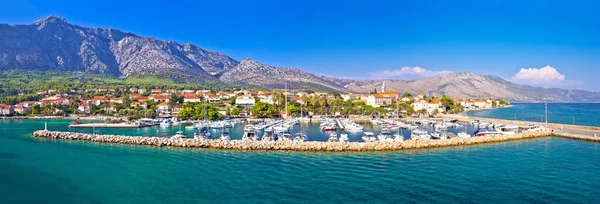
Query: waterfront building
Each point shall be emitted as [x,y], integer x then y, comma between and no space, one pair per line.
[83,108]
[246,101]
[379,100]
[6,109]
[191,98]
[20,109]
[163,107]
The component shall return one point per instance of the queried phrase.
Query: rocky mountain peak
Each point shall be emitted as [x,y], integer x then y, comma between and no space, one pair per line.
[50,19]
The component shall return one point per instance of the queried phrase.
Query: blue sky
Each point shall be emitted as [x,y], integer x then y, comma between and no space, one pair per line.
[360,39]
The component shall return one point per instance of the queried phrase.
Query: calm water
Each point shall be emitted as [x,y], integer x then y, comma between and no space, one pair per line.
[566,113]
[34,170]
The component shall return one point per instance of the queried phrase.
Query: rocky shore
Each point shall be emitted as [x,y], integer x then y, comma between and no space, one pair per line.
[282,145]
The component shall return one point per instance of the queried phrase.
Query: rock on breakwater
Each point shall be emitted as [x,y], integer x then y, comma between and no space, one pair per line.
[284,145]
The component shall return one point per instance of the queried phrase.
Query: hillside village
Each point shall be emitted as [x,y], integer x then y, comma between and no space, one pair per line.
[135,103]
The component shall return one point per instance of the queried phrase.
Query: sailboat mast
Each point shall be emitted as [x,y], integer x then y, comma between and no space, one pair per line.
[285,95]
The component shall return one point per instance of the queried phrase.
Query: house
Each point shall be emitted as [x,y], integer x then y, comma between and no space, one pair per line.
[420,105]
[141,91]
[55,100]
[97,100]
[41,93]
[141,104]
[116,100]
[212,98]
[191,98]
[296,99]
[133,90]
[245,101]
[156,91]
[266,99]
[163,107]
[20,109]
[6,109]
[84,108]
[379,100]
[27,104]
[392,94]
[434,106]
[110,107]
[480,103]
[348,97]
[160,98]
[408,98]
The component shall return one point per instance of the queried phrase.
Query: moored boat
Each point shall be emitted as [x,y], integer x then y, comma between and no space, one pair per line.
[369,137]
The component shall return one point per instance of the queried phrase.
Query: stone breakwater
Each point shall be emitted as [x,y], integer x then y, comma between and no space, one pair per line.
[283,145]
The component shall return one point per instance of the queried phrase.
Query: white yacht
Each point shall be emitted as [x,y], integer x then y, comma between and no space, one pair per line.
[344,137]
[268,135]
[419,134]
[439,136]
[178,135]
[225,136]
[249,133]
[369,137]
[463,135]
[286,136]
[385,135]
[299,137]
[333,137]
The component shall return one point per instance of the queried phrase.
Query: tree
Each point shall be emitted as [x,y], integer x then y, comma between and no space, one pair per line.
[447,103]
[36,109]
[293,109]
[263,110]
[235,111]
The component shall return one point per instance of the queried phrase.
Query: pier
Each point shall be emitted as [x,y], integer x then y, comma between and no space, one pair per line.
[106,125]
[286,145]
[339,124]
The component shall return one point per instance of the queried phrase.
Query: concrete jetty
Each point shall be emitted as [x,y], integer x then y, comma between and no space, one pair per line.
[339,124]
[286,145]
[105,125]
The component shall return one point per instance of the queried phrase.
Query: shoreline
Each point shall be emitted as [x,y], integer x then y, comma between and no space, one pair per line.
[309,146]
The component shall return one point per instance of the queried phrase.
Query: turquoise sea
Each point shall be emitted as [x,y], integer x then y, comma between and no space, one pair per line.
[546,170]
[587,114]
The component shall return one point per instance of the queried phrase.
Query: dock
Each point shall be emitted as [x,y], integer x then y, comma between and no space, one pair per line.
[339,124]
[106,125]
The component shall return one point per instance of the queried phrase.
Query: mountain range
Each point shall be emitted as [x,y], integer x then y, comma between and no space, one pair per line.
[53,44]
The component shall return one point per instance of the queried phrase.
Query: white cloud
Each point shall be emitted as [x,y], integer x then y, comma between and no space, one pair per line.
[411,72]
[544,76]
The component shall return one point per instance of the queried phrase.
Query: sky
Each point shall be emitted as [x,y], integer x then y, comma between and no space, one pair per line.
[541,43]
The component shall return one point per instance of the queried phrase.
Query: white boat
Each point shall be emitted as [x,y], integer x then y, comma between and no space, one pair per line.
[438,136]
[369,137]
[385,136]
[333,137]
[299,137]
[419,134]
[488,133]
[344,137]
[249,133]
[463,135]
[398,137]
[225,136]
[178,135]
[286,136]
[202,135]
[268,135]
[191,127]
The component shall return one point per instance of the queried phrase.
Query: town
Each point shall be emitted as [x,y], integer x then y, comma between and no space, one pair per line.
[131,103]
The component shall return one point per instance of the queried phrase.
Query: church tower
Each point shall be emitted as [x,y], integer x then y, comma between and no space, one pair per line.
[383,87]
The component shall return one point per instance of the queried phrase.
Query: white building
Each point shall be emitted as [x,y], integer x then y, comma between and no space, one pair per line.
[245,101]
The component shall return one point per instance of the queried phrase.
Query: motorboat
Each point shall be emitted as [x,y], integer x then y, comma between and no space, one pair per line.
[369,137]
[202,135]
[333,137]
[463,135]
[225,136]
[419,134]
[299,137]
[344,137]
[249,133]
[268,135]
[438,136]
[385,135]
[488,133]
[178,135]
[286,136]
[191,127]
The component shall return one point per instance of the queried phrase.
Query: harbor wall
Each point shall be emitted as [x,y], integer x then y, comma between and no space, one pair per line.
[287,146]
[469,119]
